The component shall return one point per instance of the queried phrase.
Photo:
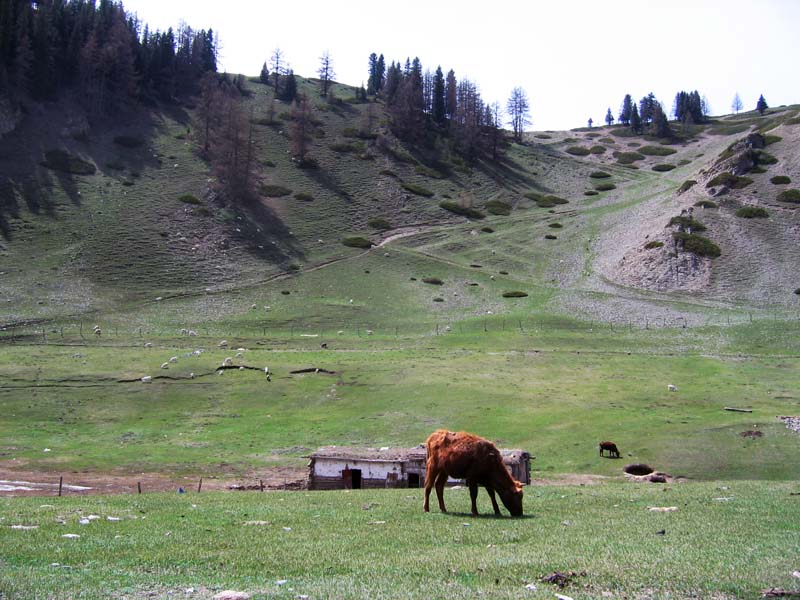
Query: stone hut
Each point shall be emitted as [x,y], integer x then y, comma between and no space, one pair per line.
[347,467]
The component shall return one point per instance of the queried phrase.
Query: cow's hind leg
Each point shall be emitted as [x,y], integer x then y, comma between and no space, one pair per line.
[441,479]
[430,476]
[496,508]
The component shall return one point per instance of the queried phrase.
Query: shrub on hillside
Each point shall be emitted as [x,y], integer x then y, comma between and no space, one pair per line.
[61,160]
[379,223]
[515,294]
[729,180]
[706,204]
[498,207]
[416,189]
[550,236]
[189,199]
[792,196]
[466,211]
[627,158]
[487,230]
[764,158]
[432,280]
[657,150]
[357,242]
[697,244]
[578,151]
[605,187]
[303,197]
[752,212]
[543,136]
[275,191]
[599,175]
[344,147]
[591,193]
[780,179]
[686,185]
[686,223]
[555,226]
[771,139]
[653,244]
[597,149]
[663,167]
[428,172]
[533,195]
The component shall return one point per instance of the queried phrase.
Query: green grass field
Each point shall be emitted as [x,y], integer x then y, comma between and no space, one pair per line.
[725,540]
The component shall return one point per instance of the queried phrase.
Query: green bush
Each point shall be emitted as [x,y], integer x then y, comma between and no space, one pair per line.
[533,195]
[792,196]
[379,223]
[61,160]
[555,226]
[752,212]
[487,230]
[543,136]
[758,170]
[653,244]
[622,131]
[597,149]
[605,187]
[498,207]
[416,189]
[303,197]
[357,242]
[599,175]
[764,158]
[428,172]
[432,280]
[578,151]
[466,211]
[627,158]
[706,204]
[515,294]
[730,180]
[591,193]
[189,199]
[275,191]
[687,223]
[550,236]
[343,147]
[697,244]
[780,179]
[438,299]
[657,150]
[771,139]
[686,185]
[663,168]
[128,141]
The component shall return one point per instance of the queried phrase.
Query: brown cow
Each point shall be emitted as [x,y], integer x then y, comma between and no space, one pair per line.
[466,456]
[610,447]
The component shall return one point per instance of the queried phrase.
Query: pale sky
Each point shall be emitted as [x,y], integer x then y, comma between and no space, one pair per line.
[574,58]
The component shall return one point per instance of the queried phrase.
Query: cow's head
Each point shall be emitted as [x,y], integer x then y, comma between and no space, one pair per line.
[512,499]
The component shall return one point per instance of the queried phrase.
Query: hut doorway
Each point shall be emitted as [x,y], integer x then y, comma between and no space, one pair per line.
[413,480]
[355,474]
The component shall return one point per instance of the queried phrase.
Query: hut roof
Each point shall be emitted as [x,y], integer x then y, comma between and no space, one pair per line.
[398,454]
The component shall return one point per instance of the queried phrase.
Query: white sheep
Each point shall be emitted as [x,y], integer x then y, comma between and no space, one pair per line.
[192,332]
[227,362]
[253,306]
[191,375]
[165,365]
[148,344]
[173,359]
[369,331]
[239,355]
[147,379]
[223,344]
[672,388]
[266,371]
[241,350]
[241,368]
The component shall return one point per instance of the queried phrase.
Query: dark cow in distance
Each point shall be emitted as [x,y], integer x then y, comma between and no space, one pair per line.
[609,447]
[462,455]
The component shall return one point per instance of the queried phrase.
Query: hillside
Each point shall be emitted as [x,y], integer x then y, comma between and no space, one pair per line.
[116,236]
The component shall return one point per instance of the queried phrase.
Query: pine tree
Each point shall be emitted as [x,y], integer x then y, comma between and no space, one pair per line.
[609,117]
[372,80]
[288,90]
[736,104]
[439,109]
[450,104]
[636,120]
[326,73]
[518,109]
[263,77]
[277,66]
[647,107]
[762,105]
[626,110]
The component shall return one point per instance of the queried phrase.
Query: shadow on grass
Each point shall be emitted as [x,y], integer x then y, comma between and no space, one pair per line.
[485,516]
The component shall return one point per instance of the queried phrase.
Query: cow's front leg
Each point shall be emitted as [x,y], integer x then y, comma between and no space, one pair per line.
[441,479]
[490,490]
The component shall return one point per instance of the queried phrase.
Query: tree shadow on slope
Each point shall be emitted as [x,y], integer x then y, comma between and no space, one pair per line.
[270,239]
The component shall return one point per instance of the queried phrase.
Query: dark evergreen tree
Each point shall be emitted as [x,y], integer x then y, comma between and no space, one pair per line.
[450,103]
[263,77]
[636,121]
[372,80]
[439,112]
[288,87]
[609,117]
[660,125]
[761,105]
[647,107]
[626,110]
[393,80]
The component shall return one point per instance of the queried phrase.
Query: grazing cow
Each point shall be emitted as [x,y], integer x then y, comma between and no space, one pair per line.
[466,456]
[609,447]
